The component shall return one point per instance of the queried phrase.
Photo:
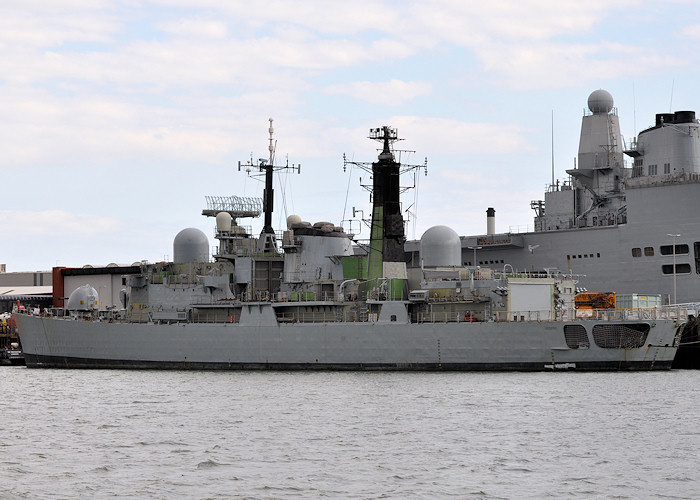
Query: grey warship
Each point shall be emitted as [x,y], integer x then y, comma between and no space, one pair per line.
[630,228]
[312,299]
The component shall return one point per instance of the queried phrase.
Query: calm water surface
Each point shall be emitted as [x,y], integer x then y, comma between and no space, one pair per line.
[169,434]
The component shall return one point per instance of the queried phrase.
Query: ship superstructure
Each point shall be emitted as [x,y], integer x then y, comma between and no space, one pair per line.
[632,226]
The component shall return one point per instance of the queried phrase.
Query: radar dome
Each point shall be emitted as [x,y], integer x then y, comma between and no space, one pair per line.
[600,101]
[293,219]
[440,246]
[83,298]
[191,245]
[223,221]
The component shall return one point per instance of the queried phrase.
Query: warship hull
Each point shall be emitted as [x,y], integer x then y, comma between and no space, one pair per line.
[51,342]
[324,303]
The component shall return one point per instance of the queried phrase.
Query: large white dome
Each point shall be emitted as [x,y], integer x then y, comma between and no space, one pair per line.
[83,298]
[600,102]
[191,245]
[440,246]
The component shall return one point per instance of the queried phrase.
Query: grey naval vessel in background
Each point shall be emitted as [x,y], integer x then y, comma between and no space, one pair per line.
[314,299]
[633,229]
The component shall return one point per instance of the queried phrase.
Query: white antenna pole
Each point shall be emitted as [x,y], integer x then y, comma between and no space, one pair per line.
[271,147]
[670,106]
[634,114]
[552,147]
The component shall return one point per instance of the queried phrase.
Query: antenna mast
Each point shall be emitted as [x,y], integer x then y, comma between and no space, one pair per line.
[552,147]
[266,242]
[387,235]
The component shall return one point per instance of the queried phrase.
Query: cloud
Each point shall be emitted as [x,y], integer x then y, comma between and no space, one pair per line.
[42,129]
[337,18]
[195,28]
[57,223]
[392,93]
[473,24]
[25,26]
[549,65]
[692,32]
[252,45]
[445,136]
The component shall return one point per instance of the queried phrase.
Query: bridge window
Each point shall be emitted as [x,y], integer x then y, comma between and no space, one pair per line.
[648,251]
[636,252]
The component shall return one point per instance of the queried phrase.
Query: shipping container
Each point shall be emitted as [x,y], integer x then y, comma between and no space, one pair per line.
[637,301]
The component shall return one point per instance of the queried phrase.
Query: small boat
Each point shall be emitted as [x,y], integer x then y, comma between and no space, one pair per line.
[11,355]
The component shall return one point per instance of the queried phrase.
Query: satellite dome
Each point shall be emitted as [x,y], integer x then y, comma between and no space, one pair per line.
[293,219]
[223,221]
[83,298]
[440,246]
[600,101]
[191,245]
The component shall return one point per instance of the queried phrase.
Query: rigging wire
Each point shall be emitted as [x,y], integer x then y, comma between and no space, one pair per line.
[416,182]
[347,191]
[283,188]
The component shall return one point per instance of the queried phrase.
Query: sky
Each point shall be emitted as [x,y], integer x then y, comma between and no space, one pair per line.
[118,118]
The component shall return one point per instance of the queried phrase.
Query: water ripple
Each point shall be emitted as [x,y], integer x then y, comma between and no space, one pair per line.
[153,434]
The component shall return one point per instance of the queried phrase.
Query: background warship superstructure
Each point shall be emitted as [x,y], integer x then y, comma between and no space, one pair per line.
[635,229]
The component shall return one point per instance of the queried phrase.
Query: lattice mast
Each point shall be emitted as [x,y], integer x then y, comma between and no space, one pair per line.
[387,235]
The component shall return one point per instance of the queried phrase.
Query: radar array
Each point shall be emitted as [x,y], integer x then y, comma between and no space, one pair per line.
[236,206]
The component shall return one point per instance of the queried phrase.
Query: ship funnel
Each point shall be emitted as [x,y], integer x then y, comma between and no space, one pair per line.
[490,221]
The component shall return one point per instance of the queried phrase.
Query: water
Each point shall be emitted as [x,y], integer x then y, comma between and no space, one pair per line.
[166,434]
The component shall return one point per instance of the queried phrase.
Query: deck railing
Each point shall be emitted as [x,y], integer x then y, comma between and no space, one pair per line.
[363,312]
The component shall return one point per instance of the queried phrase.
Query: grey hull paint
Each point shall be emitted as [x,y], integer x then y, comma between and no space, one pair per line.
[527,346]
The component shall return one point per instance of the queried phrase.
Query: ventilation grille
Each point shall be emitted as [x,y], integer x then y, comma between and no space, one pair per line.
[576,337]
[621,336]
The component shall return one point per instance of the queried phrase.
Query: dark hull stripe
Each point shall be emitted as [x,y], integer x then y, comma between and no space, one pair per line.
[34,361]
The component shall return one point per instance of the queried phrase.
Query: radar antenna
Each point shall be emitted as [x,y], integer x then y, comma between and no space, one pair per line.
[236,206]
